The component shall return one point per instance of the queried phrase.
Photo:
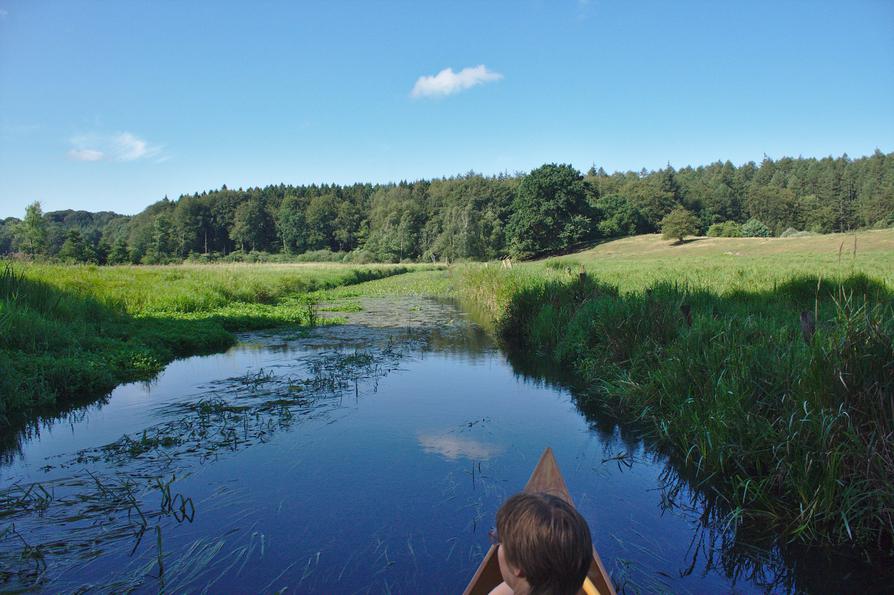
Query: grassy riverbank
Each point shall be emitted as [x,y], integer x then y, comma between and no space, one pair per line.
[790,425]
[70,331]
[702,343]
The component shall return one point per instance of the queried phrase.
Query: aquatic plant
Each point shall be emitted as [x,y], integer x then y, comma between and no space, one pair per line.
[72,331]
[120,491]
[793,428]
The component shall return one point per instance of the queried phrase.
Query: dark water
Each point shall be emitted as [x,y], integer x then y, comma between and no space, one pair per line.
[367,457]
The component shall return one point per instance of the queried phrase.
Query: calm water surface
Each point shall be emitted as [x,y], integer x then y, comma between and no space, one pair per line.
[365,457]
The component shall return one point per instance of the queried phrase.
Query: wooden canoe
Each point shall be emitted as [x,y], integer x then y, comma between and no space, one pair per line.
[545,478]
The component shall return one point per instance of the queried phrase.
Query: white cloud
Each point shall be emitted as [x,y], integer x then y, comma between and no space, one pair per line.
[121,146]
[85,154]
[130,148]
[448,82]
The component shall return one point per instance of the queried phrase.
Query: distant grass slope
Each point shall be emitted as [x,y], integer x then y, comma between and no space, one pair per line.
[73,331]
[728,263]
[764,367]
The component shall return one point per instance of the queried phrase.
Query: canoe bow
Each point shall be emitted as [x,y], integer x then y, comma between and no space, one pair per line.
[548,479]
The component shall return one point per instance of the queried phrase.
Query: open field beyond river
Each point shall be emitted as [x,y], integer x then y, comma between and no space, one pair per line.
[745,381]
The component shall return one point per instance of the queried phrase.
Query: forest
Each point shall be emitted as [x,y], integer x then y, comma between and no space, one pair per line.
[469,217]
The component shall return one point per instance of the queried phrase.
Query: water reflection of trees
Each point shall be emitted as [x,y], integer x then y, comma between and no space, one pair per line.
[23,428]
[723,540]
[468,342]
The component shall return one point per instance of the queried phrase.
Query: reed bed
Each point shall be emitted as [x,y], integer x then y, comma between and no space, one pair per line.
[773,389]
[74,331]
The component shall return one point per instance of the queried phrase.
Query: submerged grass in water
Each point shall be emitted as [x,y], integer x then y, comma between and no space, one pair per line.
[120,495]
[68,331]
[722,385]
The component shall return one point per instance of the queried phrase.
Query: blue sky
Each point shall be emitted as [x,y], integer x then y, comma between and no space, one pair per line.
[113,105]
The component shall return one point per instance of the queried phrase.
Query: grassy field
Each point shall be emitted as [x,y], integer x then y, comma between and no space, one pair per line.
[71,331]
[737,263]
[763,366]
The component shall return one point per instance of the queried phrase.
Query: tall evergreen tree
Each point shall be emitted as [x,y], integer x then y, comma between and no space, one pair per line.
[32,231]
[119,254]
[74,247]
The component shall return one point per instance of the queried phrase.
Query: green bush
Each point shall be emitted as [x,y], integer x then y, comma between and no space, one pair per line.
[753,228]
[727,229]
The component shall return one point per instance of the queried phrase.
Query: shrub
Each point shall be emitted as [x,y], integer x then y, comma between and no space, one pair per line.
[727,229]
[753,228]
[791,232]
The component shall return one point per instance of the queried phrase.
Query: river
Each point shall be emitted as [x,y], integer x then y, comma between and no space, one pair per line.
[369,456]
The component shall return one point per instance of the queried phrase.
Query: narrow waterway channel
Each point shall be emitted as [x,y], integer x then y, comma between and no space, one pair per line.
[369,456]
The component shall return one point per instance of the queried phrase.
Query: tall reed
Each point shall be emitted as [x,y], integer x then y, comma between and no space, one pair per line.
[796,433]
[70,332]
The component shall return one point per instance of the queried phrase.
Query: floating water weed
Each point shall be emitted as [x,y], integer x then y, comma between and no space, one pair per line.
[96,511]
[31,498]
[161,559]
[180,507]
[72,332]
[117,510]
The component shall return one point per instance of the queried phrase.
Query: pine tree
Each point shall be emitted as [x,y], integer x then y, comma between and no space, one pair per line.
[32,231]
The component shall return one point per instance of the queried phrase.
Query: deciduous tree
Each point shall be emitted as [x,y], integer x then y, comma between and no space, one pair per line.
[678,224]
[550,211]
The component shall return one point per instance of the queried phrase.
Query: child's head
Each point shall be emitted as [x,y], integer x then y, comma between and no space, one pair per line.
[545,542]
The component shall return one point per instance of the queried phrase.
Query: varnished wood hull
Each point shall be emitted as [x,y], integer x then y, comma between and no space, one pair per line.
[545,478]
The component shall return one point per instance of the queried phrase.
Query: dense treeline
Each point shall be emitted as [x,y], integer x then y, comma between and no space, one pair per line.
[471,217]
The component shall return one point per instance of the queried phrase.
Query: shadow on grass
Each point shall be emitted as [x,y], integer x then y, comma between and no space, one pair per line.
[572,249]
[773,409]
[740,551]
[686,241]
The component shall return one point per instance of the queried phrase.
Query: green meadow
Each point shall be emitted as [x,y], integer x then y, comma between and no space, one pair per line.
[762,366]
[73,331]
[726,264]
[739,263]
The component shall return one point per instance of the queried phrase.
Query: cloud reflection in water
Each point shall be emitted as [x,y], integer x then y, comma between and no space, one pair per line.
[453,447]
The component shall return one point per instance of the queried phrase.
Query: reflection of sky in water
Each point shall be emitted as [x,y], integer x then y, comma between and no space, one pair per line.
[453,447]
[371,488]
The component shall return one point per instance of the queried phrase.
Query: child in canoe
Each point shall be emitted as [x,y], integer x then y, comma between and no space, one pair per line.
[544,546]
